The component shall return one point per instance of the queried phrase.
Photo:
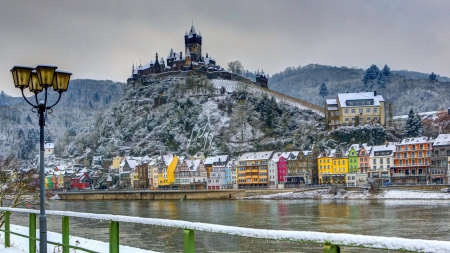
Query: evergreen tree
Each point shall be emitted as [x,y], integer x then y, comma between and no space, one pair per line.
[370,76]
[432,77]
[381,81]
[413,125]
[386,71]
[323,90]
[96,97]
[28,119]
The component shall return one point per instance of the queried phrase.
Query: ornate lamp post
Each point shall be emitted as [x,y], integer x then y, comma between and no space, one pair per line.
[39,79]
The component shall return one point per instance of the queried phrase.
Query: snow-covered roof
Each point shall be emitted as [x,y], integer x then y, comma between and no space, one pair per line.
[423,114]
[49,145]
[192,31]
[390,146]
[414,140]
[276,156]
[343,97]
[442,140]
[331,101]
[263,155]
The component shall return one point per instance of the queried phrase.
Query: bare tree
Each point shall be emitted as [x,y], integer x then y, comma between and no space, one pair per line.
[17,189]
[236,67]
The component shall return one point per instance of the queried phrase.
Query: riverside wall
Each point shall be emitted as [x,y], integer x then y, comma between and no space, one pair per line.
[152,195]
[210,194]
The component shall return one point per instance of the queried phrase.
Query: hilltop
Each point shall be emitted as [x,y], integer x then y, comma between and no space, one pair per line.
[185,112]
[406,90]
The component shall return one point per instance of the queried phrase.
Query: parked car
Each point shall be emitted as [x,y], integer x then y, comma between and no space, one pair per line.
[387,184]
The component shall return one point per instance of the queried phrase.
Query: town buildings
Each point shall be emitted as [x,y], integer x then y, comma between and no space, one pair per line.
[418,160]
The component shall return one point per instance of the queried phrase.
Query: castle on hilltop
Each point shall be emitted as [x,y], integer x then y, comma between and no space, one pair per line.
[192,58]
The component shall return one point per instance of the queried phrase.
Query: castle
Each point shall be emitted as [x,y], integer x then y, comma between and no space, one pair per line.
[192,58]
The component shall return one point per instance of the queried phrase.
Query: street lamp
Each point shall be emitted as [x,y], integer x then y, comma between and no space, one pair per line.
[38,79]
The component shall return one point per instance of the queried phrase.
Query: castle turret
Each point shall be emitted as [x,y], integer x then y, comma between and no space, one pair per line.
[193,43]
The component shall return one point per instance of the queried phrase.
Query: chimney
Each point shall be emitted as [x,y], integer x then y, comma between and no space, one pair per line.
[374,93]
[206,55]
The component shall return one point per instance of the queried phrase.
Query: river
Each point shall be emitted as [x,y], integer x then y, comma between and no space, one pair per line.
[423,219]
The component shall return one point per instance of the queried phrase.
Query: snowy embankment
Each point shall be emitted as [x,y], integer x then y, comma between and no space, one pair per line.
[20,244]
[342,194]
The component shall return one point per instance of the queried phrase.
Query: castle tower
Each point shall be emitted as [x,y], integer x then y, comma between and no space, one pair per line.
[193,44]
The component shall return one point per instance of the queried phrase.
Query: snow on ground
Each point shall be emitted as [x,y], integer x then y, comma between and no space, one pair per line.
[20,244]
[342,194]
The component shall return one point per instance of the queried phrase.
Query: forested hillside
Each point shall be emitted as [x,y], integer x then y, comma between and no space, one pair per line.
[405,90]
[187,115]
[78,107]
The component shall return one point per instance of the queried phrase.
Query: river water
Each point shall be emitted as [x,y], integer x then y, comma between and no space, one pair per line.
[422,219]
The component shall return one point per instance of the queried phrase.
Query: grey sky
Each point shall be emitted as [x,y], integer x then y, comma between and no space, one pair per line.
[101,39]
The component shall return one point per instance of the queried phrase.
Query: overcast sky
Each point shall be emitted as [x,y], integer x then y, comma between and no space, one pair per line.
[101,39]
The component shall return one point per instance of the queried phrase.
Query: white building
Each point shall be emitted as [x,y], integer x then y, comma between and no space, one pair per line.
[381,159]
[49,149]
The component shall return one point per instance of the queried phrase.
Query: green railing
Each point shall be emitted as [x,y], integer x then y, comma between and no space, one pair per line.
[331,242]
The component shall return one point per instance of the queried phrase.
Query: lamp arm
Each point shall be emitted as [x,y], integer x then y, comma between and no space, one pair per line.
[57,101]
[23,95]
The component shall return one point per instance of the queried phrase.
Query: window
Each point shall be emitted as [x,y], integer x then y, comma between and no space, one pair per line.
[360,111]
[353,119]
[336,113]
[346,111]
[375,118]
[374,167]
[375,110]
[388,160]
[353,110]
[367,109]
[346,119]
[381,160]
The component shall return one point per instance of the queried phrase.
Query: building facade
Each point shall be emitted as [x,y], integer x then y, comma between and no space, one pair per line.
[412,161]
[253,169]
[440,157]
[355,109]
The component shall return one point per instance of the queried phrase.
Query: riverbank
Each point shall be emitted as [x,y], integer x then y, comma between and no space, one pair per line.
[364,194]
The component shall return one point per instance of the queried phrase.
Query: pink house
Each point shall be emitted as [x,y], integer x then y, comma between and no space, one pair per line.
[282,169]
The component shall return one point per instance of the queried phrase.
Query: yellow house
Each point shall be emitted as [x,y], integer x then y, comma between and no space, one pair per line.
[60,180]
[325,166]
[166,170]
[355,108]
[116,162]
[340,166]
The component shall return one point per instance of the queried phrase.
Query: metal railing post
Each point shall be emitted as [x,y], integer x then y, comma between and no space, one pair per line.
[331,248]
[65,234]
[188,241]
[32,233]
[113,237]
[7,229]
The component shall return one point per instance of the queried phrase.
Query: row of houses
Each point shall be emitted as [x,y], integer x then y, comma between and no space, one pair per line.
[418,160]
